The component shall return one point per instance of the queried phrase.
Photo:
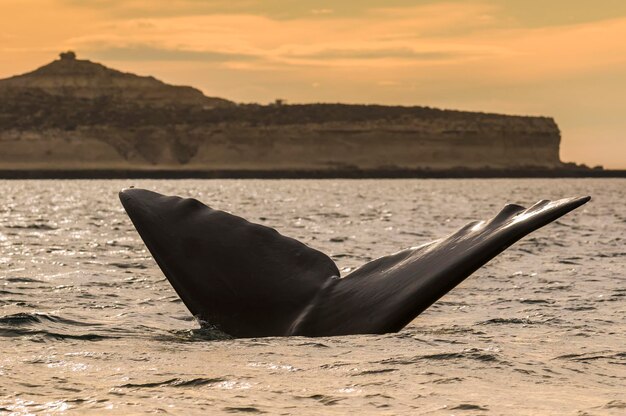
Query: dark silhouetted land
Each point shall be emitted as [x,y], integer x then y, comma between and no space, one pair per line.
[77,118]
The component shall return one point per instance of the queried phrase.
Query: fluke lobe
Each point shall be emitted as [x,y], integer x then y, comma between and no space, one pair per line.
[248,280]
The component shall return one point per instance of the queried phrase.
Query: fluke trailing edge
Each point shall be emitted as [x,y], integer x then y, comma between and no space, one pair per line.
[250,281]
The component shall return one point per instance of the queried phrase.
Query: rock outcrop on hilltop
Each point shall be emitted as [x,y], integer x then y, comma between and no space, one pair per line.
[82,79]
[75,114]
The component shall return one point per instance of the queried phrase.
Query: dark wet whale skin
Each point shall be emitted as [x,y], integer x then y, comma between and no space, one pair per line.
[248,280]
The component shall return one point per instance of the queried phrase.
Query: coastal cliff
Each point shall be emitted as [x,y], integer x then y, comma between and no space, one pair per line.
[75,114]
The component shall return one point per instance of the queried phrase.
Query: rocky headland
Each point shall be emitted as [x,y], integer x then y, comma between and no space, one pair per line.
[77,115]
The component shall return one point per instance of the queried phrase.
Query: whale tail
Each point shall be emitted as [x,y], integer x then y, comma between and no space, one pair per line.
[248,280]
[388,293]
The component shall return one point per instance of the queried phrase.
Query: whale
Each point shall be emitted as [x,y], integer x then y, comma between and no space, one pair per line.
[248,281]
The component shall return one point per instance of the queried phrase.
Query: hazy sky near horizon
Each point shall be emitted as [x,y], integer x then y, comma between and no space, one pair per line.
[565,59]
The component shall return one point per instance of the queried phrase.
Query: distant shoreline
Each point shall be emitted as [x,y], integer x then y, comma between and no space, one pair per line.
[311,174]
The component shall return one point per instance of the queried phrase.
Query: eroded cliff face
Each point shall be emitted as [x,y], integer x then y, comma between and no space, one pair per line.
[47,126]
[419,144]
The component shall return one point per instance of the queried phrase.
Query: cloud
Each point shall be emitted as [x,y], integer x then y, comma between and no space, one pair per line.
[275,9]
[522,13]
[381,37]
[461,39]
[370,54]
[322,11]
[151,53]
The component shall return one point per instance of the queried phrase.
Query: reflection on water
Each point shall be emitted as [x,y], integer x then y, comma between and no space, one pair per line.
[88,323]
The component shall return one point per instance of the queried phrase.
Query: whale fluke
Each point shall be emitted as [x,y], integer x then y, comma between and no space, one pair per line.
[248,280]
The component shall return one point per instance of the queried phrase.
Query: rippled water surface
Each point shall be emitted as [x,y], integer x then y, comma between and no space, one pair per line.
[89,325]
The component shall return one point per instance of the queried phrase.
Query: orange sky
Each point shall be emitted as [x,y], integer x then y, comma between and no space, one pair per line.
[565,59]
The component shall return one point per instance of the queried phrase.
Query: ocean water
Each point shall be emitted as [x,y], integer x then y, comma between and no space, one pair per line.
[89,325]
